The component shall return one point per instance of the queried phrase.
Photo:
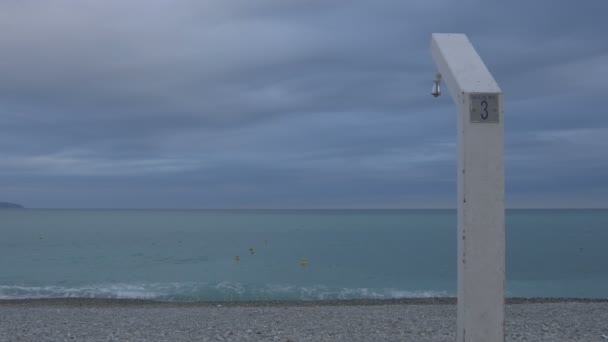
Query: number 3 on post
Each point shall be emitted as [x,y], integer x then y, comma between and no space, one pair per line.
[484,108]
[484,104]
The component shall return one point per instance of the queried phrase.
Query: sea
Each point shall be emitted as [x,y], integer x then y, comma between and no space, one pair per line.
[251,255]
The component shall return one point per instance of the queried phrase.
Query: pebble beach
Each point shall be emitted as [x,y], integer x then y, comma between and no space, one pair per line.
[432,319]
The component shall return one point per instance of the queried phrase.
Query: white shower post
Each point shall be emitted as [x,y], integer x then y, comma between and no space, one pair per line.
[481,232]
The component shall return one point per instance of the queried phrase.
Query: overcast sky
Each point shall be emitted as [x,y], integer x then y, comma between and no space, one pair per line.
[290,104]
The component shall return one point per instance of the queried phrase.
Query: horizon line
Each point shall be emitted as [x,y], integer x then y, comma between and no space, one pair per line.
[303,209]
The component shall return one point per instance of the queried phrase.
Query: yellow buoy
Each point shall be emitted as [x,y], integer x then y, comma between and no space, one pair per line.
[303,262]
[237,258]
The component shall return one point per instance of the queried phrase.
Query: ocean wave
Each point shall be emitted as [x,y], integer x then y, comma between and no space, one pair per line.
[222,291]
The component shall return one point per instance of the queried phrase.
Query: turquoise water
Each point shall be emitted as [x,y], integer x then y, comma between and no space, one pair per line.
[190,254]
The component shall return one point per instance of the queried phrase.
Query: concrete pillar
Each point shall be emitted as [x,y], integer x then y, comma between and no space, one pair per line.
[481,241]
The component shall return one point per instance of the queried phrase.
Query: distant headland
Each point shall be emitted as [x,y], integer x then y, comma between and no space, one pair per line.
[8,205]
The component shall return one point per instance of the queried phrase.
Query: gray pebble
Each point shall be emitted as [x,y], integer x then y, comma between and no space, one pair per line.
[82,320]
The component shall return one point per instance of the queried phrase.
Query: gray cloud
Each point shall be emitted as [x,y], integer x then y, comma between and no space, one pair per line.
[288,104]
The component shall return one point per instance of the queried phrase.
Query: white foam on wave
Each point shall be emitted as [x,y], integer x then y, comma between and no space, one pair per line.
[87,291]
[190,291]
